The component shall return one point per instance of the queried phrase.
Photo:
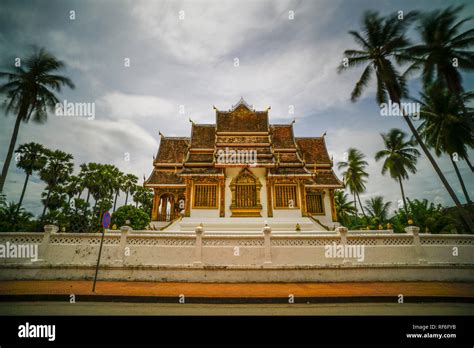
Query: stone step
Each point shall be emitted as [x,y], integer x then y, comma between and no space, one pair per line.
[246,224]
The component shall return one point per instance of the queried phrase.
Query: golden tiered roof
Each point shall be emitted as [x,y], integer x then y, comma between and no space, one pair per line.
[242,128]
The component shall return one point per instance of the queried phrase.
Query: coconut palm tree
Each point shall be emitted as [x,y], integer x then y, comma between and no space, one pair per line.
[344,208]
[129,183]
[31,159]
[443,128]
[29,93]
[381,43]
[377,209]
[444,52]
[57,170]
[400,157]
[354,174]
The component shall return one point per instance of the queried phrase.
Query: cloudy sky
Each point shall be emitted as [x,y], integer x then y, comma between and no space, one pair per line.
[183,53]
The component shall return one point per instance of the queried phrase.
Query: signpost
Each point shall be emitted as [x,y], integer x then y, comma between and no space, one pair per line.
[105,224]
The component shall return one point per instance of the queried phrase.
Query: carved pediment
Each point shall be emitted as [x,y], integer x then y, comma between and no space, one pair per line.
[245,177]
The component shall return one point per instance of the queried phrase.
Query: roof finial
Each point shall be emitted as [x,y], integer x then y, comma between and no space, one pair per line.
[268,108]
[324,134]
[161,134]
[214,107]
[191,121]
[294,121]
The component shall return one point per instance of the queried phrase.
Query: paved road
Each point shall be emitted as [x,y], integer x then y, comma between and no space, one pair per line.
[110,308]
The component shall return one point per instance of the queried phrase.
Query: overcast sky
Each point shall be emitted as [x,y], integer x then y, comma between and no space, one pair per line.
[190,62]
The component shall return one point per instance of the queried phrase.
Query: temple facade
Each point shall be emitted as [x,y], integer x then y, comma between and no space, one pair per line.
[242,166]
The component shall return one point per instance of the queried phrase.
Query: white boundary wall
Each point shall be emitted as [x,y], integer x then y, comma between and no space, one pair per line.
[141,255]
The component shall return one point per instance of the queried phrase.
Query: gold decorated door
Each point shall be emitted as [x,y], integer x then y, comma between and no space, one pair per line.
[245,190]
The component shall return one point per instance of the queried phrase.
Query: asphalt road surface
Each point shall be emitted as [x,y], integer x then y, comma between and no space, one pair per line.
[119,308]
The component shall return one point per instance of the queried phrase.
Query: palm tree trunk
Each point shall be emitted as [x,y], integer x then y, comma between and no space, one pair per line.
[22,193]
[126,198]
[469,164]
[115,201]
[466,218]
[355,204]
[461,181]
[361,207]
[405,206]
[11,148]
[46,205]
[88,195]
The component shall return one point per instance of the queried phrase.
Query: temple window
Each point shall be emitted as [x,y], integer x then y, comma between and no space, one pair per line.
[314,202]
[286,196]
[205,196]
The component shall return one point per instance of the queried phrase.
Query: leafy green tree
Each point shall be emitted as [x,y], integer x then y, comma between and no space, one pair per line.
[354,174]
[29,93]
[427,216]
[400,157]
[57,170]
[129,183]
[144,197]
[31,159]
[72,187]
[443,128]
[382,43]
[137,217]
[14,219]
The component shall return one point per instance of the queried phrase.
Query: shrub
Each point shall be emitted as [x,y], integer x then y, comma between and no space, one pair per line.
[138,218]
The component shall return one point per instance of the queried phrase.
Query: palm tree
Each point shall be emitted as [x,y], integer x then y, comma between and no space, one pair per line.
[443,128]
[129,183]
[29,93]
[57,170]
[377,209]
[87,175]
[31,159]
[117,186]
[354,174]
[344,208]
[72,187]
[12,218]
[382,41]
[444,51]
[400,158]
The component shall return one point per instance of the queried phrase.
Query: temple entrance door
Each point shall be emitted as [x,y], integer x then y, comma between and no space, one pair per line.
[245,195]
[166,211]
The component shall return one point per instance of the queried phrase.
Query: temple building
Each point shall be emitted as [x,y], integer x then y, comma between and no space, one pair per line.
[244,167]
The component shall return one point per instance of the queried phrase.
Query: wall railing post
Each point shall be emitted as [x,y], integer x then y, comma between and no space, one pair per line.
[198,247]
[267,232]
